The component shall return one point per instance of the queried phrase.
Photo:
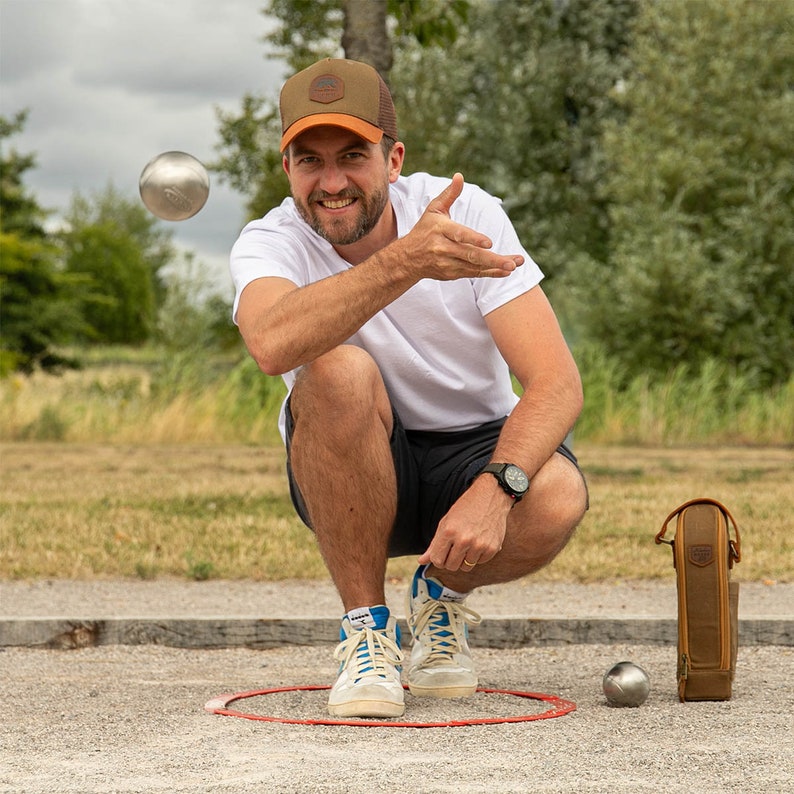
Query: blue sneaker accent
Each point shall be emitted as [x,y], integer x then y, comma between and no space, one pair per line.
[368,682]
[434,588]
[376,619]
[367,617]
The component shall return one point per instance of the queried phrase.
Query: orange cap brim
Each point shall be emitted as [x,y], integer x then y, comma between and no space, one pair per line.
[369,132]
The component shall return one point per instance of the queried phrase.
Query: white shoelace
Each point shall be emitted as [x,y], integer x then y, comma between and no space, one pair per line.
[441,625]
[368,652]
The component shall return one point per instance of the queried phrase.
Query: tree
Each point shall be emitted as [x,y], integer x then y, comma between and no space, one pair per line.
[250,160]
[365,37]
[21,213]
[701,190]
[519,103]
[194,319]
[314,29]
[309,30]
[38,311]
[120,250]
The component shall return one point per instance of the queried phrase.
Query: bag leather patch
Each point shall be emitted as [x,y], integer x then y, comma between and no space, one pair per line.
[701,555]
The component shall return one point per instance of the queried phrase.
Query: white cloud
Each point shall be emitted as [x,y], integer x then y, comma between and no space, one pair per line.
[111,83]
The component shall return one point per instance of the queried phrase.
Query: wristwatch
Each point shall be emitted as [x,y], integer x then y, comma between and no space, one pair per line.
[512,478]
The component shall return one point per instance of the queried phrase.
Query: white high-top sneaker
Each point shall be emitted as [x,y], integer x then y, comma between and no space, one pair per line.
[369,683]
[440,664]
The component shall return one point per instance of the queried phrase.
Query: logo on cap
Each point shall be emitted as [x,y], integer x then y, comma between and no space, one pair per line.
[326,88]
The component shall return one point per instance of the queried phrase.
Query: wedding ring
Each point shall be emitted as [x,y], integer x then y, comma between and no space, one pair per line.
[470,564]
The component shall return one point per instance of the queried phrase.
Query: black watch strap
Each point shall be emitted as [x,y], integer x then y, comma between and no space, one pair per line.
[494,468]
[498,470]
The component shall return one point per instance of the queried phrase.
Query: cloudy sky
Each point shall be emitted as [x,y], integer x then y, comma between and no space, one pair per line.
[111,83]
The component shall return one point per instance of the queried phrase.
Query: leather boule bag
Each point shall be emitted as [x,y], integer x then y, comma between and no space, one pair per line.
[708,601]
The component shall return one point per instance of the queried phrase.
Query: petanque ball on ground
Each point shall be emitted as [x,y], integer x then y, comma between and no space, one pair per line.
[174,186]
[626,684]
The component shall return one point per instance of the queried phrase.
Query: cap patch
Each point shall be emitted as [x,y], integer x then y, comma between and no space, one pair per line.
[326,88]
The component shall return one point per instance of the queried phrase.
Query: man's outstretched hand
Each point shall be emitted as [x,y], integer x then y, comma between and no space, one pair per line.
[439,248]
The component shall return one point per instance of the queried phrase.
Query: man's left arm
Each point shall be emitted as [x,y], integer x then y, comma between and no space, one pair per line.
[529,338]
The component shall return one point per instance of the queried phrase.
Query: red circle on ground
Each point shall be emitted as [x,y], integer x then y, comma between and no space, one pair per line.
[558,708]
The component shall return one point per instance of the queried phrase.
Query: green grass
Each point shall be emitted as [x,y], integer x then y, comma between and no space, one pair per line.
[149,396]
[152,395]
[712,406]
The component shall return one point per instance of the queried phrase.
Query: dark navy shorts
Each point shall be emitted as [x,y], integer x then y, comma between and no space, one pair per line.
[433,470]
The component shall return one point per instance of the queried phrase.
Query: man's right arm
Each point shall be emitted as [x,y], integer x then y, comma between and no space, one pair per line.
[285,326]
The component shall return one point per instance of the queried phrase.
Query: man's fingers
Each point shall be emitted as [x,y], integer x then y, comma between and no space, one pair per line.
[443,201]
[427,556]
[452,250]
[492,265]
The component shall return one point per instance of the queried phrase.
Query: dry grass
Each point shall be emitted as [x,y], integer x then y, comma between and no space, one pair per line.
[126,404]
[632,490]
[98,510]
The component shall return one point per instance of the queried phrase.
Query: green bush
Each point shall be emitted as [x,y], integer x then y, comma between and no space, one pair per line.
[154,395]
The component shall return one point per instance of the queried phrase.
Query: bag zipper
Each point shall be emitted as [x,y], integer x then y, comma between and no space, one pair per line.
[724,551]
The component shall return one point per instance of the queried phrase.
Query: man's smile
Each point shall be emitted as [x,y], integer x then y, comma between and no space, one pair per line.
[336,204]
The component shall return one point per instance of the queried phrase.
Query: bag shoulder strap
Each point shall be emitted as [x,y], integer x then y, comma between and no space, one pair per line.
[736,545]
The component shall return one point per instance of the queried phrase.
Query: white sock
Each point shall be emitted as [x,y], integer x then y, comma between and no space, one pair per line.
[362,617]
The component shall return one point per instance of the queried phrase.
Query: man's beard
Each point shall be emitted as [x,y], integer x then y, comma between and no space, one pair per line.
[341,232]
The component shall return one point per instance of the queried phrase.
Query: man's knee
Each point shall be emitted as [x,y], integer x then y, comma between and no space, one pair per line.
[559,493]
[345,382]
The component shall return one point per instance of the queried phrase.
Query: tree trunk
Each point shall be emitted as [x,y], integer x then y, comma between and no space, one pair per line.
[365,37]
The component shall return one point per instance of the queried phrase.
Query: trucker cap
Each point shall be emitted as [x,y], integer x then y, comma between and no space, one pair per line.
[339,92]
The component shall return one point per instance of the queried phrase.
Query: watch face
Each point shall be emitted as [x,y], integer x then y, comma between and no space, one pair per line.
[516,479]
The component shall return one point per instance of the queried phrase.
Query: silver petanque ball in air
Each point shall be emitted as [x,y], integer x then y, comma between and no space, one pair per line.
[174,186]
[626,684]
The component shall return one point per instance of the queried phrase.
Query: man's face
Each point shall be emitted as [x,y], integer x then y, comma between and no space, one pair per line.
[340,183]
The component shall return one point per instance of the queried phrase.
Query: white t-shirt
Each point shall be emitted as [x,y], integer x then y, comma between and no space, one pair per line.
[438,360]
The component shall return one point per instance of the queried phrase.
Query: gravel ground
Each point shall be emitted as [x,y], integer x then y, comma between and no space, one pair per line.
[115,718]
[133,719]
